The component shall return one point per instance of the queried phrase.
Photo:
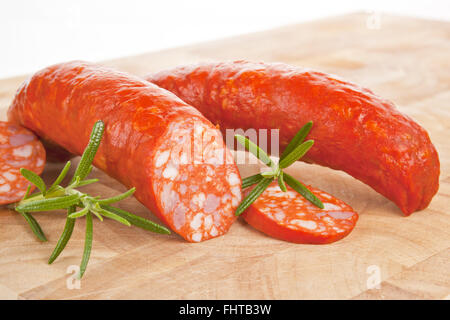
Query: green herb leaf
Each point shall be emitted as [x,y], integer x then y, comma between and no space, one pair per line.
[254,149]
[249,181]
[79,213]
[65,236]
[86,182]
[48,204]
[75,181]
[84,167]
[61,176]
[296,154]
[298,138]
[27,193]
[110,215]
[138,221]
[300,188]
[34,179]
[87,244]
[253,195]
[97,214]
[35,227]
[117,198]
[56,191]
[281,182]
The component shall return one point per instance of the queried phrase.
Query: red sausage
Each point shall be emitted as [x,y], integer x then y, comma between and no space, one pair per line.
[19,148]
[290,217]
[153,141]
[354,130]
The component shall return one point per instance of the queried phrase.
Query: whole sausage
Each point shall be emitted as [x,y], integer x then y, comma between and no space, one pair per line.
[19,148]
[153,141]
[354,130]
[289,216]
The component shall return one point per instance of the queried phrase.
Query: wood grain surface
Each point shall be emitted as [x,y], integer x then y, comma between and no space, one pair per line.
[403,59]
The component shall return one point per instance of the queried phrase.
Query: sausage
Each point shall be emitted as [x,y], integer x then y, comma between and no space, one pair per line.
[153,141]
[290,217]
[19,148]
[354,130]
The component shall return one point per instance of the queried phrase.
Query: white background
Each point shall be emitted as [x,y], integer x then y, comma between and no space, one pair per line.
[35,34]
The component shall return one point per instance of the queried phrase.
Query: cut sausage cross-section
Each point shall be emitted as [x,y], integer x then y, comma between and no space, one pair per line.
[19,148]
[290,217]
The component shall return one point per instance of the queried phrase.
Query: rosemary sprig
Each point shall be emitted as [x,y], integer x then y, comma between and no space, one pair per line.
[293,152]
[70,198]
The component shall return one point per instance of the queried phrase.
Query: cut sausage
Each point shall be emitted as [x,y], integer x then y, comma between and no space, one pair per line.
[354,130]
[153,141]
[290,217]
[19,148]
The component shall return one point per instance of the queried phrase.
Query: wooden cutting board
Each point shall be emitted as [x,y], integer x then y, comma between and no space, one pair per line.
[403,59]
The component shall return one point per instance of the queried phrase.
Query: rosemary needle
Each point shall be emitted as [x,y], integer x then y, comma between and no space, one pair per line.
[253,195]
[249,181]
[87,244]
[34,225]
[65,236]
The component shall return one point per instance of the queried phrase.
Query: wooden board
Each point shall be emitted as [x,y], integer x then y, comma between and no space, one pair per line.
[403,59]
